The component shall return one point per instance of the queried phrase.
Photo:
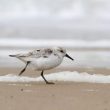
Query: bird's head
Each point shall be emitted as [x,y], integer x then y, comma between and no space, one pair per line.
[61,52]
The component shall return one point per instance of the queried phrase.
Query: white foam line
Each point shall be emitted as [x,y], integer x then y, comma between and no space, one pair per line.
[61,76]
[66,43]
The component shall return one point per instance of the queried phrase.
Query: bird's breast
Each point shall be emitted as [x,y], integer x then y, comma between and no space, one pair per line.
[45,63]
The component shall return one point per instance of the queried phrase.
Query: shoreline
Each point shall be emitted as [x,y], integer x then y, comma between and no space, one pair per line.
[31,72]
[60,96]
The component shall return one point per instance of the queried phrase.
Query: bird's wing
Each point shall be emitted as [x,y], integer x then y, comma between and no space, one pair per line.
[36,53]
[41,53]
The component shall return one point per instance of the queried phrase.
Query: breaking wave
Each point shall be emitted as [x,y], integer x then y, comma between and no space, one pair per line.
[65,76]
[56,42]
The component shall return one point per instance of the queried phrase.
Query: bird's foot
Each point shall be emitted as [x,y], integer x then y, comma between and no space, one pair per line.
[50,83]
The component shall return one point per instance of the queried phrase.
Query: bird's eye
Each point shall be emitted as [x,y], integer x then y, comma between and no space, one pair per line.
[61,51]
[38,50]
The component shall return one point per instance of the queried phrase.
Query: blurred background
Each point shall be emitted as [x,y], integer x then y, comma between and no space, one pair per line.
[81,26]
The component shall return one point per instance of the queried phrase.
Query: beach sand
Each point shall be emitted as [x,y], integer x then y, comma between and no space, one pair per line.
[61,96]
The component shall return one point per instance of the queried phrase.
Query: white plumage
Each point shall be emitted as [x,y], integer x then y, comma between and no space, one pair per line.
[43,59]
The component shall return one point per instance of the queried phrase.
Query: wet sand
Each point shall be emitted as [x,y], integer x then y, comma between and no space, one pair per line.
[30,72]
[61,96]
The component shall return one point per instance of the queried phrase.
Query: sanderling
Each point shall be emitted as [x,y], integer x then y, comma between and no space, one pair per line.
[43,59]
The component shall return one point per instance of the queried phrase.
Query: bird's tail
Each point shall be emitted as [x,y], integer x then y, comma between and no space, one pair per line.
[12,55]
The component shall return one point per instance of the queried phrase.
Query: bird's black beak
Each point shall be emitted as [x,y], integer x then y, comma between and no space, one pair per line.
[68,57]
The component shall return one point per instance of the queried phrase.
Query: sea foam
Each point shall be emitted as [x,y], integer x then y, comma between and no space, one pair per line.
[65,76]
[4,42]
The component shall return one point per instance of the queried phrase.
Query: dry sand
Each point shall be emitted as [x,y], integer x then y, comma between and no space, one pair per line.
[61,96]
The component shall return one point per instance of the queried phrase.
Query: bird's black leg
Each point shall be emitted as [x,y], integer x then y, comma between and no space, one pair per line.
[24,68]
[45,79]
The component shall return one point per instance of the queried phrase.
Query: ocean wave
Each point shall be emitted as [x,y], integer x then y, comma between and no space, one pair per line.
[65,76]
[54,42]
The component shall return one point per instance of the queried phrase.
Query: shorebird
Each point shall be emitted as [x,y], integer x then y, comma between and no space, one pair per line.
[43,59]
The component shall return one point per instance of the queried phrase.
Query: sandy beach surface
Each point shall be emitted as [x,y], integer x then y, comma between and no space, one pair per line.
[61,96]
